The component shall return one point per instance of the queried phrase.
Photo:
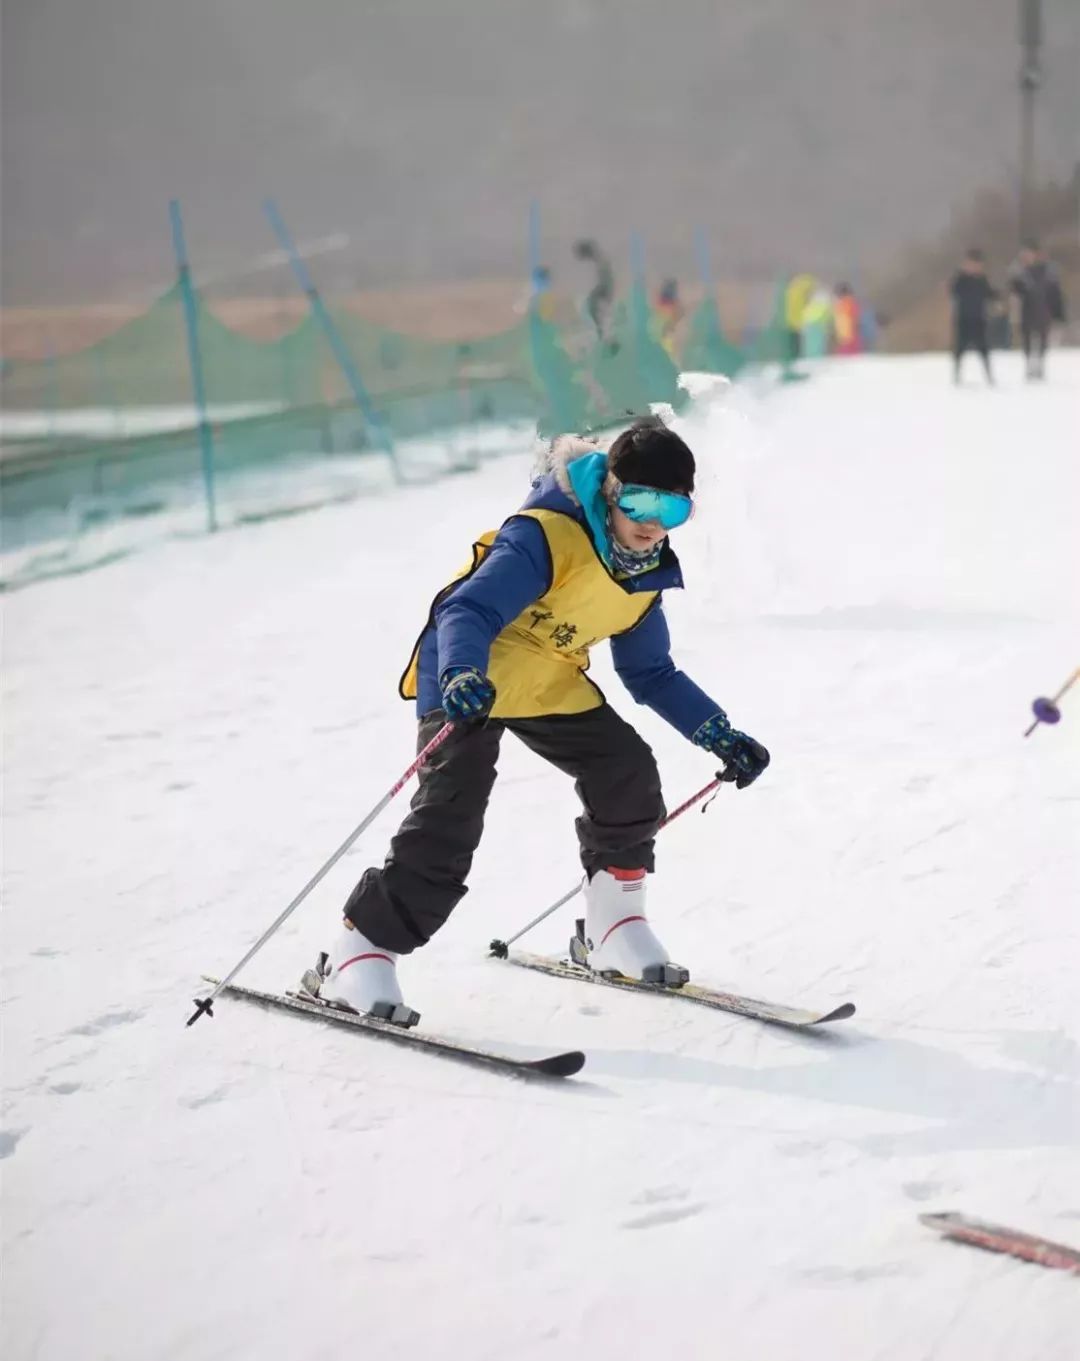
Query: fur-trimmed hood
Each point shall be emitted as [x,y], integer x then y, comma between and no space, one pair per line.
[553,489]
[562,450]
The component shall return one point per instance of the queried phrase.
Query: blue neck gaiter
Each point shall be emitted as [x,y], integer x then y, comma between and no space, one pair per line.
[587,475]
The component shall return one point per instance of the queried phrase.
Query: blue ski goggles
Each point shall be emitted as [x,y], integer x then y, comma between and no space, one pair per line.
[647,505]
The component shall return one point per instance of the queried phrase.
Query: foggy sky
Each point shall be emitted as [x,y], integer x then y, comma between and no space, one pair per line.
[819,132]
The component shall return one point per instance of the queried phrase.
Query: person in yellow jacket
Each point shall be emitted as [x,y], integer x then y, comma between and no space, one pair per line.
[669,315]
[797,297]
[506,648]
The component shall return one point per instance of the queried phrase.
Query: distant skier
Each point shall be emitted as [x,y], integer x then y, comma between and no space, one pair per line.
[796,297]
[846,329]
[669,314]
[541,296]
[602,294]
[1036,282]
[973,297]
[506,646]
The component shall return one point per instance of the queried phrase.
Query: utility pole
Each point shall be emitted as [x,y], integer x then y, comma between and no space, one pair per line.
[1030,79]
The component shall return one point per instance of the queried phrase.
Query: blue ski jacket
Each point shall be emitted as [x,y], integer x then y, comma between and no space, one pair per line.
[516,572]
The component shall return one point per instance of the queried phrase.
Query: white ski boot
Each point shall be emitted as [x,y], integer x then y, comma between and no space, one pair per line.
[359,976]
[615,937]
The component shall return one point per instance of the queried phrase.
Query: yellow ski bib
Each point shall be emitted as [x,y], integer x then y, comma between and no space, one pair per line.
[538,662]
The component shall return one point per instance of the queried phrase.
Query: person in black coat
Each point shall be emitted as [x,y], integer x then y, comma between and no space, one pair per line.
[1036,282]
[602,293]
[973,298]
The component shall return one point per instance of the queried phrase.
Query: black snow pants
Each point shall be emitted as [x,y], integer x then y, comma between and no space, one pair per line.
[971,334]
[1035,338]
[402,904]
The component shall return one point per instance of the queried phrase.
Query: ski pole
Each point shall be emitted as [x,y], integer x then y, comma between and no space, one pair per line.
[1046,710]
[500,948]
[205,1004]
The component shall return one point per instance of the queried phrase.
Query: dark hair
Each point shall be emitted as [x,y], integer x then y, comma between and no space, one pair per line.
[974,253]
[1031,243]
[649,453]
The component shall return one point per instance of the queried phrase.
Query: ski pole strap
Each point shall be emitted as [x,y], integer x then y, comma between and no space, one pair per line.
[500,948]
[204,1005]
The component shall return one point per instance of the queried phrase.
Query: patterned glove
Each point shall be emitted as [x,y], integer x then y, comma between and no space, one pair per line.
[743,758]
[467,696]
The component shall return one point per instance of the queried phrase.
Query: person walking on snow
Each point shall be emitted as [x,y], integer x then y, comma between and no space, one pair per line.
[972,296]
[506,648]
[669,315]
[602,294]
[1036,282]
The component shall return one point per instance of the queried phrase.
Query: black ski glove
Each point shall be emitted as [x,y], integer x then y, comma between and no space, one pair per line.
[467,695]
[743,758]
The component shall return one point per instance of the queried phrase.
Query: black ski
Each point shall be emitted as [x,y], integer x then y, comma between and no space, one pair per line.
[554,1065]
[799,1017]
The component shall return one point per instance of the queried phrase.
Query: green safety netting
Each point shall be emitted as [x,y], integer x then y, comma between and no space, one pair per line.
[115,421]
[707,349]
[413,382]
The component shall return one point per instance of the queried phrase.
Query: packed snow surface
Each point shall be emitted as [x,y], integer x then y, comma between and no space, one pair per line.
[882,575]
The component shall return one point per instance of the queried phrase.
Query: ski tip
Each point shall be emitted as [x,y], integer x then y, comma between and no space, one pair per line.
[560,1065]
[840,1013]
[954,1222]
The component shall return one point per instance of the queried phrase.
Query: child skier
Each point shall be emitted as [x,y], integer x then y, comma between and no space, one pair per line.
[506,646]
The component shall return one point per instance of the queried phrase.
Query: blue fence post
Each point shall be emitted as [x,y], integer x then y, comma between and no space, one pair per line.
[704,260]
[51,401]
[341,351]
[534,238]
[639,295]
[198,390]
[637,257]
[105,388]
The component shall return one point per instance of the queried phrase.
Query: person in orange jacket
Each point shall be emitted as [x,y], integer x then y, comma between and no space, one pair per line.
[847,337]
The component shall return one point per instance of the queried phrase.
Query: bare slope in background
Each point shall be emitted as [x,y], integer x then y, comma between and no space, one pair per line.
[824,133]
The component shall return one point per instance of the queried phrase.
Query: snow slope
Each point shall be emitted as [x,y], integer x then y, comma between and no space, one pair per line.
[883,575]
